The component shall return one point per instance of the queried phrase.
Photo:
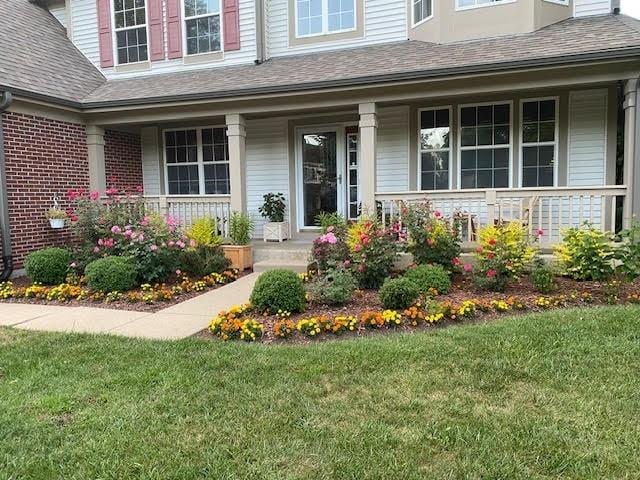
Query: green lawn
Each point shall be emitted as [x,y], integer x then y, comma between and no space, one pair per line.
[554,395]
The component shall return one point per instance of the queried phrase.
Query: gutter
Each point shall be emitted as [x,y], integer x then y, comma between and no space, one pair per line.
[5,227]
[376,80]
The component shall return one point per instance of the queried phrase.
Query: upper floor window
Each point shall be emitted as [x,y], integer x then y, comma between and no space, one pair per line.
[317,17]
[422,10]
[202,26]
[479,3]
[131,30]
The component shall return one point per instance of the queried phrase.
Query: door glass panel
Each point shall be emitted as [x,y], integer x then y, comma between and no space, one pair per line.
[319,175]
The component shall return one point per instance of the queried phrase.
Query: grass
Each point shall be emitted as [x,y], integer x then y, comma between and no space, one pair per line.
[551,395]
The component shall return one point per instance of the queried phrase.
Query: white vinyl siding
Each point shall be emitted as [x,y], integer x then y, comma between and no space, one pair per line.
[393,150]
[267,165]
[150,160]
[592,7]
[60,13]
[85,37]
[385,21]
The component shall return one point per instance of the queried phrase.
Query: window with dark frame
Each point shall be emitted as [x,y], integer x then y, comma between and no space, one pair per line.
[435,149]
[485,146]
[539,142]
[197,161]
[130,20]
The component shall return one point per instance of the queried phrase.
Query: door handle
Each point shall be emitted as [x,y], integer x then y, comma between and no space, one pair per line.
[340,178]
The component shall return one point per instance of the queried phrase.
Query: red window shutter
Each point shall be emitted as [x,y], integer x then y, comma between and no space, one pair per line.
[174,28]
[156,38]
[231,25]
[104,33]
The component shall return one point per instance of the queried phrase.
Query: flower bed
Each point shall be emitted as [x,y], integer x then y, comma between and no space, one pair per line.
[365,315]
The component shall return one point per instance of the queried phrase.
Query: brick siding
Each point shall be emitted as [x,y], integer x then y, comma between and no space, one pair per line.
[44,158]
[123,159]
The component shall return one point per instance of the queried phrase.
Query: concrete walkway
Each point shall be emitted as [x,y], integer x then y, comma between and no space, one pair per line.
[175,322]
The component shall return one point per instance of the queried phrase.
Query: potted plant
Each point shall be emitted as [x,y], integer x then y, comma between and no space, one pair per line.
[273,210]
[57,217]
[239,251]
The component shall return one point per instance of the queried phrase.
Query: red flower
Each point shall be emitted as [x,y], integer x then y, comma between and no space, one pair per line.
[492,241]
[456,261]
[490,255]
[491,273]
[479,250]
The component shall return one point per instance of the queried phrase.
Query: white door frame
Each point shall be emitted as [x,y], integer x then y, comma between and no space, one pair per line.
[341,167]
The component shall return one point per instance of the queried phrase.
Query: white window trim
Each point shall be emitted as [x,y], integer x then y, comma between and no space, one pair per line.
[199,157]
[483,5]
[451,144]
[460,147]
[325,21]
[184,31]
[564,3]
[555,143]
[426,19]
[114,39]
[348,174]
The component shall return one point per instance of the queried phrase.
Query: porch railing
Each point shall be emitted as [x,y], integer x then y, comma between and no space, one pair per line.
[188,208]
[548,209]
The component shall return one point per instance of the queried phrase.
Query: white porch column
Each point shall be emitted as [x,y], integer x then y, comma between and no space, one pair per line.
[631,206]
[368,152]
[95,147]
[237,135]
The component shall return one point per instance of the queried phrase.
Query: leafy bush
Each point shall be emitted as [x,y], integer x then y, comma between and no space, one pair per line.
[373,252]
[273,207]
[278,290]
[240,228]
[201,261]
[428,277]
[432,237]
[48,266]
[628,253]
[111,274]
[330,251]
[332,222]
[503,254]
[543,277]
[335,287]
[399,293]
[586,253]
[204,231]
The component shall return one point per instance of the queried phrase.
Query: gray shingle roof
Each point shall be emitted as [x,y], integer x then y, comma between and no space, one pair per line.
[607,35]
[37,57]
[47,64]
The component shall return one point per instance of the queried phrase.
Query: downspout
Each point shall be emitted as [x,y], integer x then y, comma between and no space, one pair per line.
[260,32]
[5,229]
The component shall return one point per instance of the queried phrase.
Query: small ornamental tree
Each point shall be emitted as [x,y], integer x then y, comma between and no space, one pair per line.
[273,207]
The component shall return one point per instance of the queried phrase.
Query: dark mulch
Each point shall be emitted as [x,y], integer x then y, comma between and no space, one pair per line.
[462,289]
[117,305]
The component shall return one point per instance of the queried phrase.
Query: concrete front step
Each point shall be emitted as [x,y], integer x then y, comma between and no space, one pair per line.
[298,266]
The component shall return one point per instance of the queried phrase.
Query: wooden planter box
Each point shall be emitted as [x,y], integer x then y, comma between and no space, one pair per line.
[275,231]
[240,256]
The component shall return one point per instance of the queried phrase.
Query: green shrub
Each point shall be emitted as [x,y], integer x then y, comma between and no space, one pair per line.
[111,274]
[586,253]
[399,293]
[335,287]
[204,232]
[48,266]
[628,253]
[201,261]
[430,277]
[240,228]
[543,277]
[332,222]
[278,290]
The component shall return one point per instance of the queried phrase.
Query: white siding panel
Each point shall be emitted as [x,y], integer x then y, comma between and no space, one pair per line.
[60,13]
[385,21]
[150,160]
[587,138]
[592,7]
[267,164]
[392,167]
[85,29]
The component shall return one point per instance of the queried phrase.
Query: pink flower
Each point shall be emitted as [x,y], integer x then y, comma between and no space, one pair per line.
[141,237]
[437,214]
[180,244]
[144,222]
[153,248]
[468,267]
[329,238]
[178,272]
[139,189]
[171,243]
[347,263]
[361,268]
[540,232]
[128,233]
[111,191]
[100,242]
[94,195]
[96,249]
[491,273]
[193,243]
[116,229]
[455,261]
